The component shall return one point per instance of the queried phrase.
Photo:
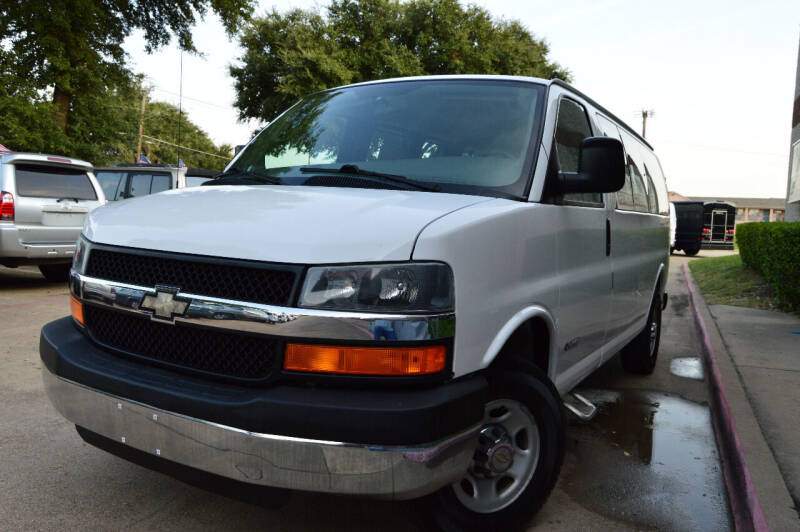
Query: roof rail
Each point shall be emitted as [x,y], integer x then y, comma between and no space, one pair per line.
[142,165]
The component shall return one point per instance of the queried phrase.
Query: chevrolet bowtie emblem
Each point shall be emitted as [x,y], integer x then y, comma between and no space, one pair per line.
[164,304]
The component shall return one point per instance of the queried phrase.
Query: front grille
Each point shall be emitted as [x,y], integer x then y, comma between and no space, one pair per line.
[194,349]
[272,285]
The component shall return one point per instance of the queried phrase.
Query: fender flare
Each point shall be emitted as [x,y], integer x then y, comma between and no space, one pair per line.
[505,332]
[656,284]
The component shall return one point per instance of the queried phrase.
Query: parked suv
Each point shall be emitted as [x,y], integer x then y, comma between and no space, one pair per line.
[388,293]
[128,180]
[42,207]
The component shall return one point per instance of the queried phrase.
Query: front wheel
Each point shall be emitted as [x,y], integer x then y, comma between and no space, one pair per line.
[517,459]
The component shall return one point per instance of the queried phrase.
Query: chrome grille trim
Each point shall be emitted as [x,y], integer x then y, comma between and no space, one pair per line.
[270,319]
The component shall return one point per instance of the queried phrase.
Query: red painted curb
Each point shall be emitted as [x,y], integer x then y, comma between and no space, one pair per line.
[746,508]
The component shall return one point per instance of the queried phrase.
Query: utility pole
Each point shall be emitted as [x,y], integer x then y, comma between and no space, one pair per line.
[646,113]
[141,129]
[180,109]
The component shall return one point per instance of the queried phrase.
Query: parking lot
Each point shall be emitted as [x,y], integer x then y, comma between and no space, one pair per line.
[647,460]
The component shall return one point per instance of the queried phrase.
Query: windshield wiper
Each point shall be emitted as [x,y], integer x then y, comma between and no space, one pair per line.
[236,176]
[351,169]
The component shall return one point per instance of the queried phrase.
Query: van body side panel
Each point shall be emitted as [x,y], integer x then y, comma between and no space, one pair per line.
[634,261]
[504,259]
[584,274]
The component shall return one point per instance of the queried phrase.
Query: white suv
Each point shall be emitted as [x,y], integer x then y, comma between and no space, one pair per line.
[387,293]
[44,200]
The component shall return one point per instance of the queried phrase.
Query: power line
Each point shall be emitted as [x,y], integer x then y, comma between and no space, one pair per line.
[229,108]
[154,139]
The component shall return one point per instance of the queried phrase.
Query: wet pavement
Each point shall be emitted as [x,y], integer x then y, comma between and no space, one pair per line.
[649,459]
[687,367]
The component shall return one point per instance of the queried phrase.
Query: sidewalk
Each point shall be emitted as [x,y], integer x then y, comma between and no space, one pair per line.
[758,354]
[765,348]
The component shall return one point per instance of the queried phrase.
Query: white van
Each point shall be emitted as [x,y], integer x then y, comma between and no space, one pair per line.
[388,293]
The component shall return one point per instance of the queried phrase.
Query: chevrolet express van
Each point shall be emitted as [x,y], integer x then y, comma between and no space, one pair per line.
[388,293]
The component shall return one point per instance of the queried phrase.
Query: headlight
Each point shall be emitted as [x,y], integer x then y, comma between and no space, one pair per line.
[405,287]
[81,255]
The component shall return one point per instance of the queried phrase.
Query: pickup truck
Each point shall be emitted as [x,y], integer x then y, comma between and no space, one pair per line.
[389,292]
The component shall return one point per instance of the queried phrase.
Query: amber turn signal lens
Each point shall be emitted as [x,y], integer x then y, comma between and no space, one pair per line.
[77,309]
[365,360]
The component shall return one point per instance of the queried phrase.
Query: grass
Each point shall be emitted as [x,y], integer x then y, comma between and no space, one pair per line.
[726,281]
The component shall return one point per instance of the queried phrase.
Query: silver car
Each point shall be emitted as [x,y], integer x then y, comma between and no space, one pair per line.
[43,201]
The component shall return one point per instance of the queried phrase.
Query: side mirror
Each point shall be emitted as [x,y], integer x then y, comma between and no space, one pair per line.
[601,167]
[238,148]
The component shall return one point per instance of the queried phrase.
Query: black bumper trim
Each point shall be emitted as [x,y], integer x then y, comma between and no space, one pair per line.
[372,416]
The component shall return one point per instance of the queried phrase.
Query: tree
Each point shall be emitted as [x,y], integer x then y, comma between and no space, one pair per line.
[72,49]
[105,126]
[161,122]
[290,55]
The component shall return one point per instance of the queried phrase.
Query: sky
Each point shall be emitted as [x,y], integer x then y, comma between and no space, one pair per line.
[719,76]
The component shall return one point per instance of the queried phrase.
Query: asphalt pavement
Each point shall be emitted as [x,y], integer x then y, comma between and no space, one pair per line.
[648,459]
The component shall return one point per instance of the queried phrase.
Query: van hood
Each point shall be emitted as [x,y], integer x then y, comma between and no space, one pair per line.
[290,224]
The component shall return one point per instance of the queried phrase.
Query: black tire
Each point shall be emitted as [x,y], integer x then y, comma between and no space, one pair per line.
[671,250]
[55,273]
[692,252]
[521,383]
[640,355]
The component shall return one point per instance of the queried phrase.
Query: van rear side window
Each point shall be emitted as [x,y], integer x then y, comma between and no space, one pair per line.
[52,182]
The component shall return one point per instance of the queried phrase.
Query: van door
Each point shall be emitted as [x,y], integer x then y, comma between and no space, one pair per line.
[584,268]
[51,202]
[634,248]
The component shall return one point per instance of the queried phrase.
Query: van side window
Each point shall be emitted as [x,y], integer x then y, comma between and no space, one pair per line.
[572,127]
[652,197]
[624,196]
[639,192]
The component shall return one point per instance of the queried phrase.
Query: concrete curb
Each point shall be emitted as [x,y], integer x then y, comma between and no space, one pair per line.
[746,508]
[729,403]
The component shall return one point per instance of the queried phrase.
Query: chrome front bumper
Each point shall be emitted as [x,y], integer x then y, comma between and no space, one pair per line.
[266,459]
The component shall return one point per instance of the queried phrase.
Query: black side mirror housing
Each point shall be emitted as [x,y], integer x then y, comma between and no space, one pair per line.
[601,167]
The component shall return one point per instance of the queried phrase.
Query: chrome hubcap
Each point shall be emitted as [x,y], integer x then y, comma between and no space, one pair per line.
[504,460]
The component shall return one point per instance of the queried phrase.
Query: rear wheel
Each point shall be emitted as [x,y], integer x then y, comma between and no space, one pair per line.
[691,252]
[518,457]
[55,273]
[640,355]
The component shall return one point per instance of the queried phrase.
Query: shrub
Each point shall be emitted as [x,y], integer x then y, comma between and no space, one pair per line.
[773,248]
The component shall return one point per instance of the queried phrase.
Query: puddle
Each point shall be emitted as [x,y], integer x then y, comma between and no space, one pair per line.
[688,367]
[649,459]
[678,303]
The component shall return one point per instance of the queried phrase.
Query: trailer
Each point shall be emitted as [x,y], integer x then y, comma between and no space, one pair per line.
[719,222]
[688,226]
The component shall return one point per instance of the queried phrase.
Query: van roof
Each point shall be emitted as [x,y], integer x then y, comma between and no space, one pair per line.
[527,79]
[17,156]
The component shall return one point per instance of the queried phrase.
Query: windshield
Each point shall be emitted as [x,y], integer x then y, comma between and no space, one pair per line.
[463,136]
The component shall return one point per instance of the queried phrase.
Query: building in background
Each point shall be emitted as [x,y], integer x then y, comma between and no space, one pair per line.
[793,186]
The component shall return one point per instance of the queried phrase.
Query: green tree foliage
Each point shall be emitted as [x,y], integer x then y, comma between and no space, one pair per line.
[105,127]
[161,122]
[290,55]
[73,48]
